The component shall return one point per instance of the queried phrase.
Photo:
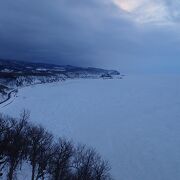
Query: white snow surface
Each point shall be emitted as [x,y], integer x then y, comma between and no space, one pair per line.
[134,122]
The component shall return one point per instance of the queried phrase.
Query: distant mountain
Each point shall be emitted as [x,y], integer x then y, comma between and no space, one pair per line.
[14,74]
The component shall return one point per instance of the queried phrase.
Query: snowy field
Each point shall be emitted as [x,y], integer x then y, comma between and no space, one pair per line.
[134,122]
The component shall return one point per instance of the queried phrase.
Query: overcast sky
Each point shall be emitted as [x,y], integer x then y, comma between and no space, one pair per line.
[129,35]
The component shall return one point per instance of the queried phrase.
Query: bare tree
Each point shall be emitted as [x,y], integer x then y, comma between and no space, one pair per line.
[3,127]
[101,169]
[39,143]
[16,150]
[44,155]
[6,124]
[83,162]
[89,165]
[60,164]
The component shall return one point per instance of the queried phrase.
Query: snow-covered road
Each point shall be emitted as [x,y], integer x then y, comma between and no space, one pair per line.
[133,122]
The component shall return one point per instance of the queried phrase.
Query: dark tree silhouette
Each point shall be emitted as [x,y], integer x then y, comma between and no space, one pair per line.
[22,142]
[101,169]
[44,155]
[60,164]
[3,127]
[39,143]
[6,125]
[89,165]
[16,150]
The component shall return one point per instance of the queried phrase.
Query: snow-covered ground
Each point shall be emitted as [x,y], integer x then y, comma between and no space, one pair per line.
[133,122]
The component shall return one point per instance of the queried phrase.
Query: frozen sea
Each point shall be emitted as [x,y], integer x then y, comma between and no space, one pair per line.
[133,122]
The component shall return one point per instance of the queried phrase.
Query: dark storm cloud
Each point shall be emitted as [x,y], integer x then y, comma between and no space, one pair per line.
[85,32]
[44,29]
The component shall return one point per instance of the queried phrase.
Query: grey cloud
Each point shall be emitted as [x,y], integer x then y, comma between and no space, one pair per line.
[82,32]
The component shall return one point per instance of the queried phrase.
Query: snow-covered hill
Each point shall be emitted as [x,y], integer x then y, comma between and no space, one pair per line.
[134,122]
[15,74]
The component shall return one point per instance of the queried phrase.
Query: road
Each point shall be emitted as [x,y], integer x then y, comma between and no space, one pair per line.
[9,96]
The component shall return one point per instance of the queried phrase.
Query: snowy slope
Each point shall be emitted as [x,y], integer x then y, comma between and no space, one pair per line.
[133,122]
